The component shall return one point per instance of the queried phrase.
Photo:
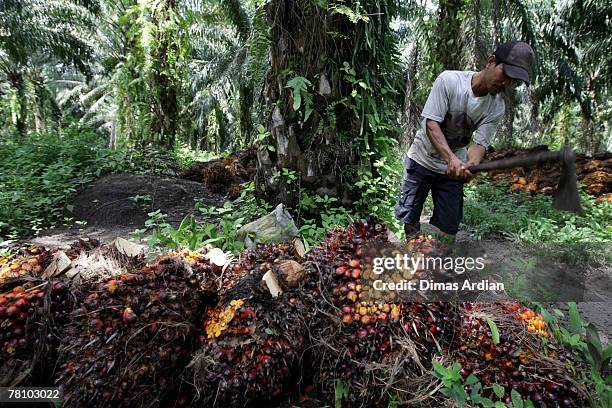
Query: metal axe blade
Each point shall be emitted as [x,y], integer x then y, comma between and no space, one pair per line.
[566,197]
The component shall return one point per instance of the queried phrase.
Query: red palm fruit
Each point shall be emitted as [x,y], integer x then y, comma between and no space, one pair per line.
[354,263]
[22,303]
[352,296]
[128,315]
[12,311]
[265,360]
[356,273]
[551,387]
[91,300]
[347,319]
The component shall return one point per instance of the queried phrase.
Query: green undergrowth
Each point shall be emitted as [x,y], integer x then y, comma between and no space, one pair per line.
[217,226]
[41,173]
[490,209]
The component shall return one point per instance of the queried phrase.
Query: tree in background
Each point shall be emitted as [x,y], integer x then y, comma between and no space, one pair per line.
[330,96]
[153,73]
[35,35]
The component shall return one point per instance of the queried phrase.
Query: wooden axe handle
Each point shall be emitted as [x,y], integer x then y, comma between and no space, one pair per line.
[519,161]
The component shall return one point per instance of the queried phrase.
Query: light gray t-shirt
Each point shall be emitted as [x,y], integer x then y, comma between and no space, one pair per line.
[461,115]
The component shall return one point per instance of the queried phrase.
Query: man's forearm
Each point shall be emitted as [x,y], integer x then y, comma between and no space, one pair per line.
[437,139]
[476,153]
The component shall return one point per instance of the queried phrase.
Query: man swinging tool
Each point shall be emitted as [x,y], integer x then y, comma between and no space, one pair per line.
[461,105]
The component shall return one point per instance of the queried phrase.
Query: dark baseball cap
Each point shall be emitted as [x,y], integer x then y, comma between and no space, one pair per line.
[517,57]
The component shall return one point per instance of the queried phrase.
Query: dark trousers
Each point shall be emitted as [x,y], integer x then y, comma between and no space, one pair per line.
[447,194]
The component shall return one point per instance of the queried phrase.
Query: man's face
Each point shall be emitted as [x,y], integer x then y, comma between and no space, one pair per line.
[497,81]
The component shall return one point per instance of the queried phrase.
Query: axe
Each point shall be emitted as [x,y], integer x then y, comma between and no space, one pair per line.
[566,197]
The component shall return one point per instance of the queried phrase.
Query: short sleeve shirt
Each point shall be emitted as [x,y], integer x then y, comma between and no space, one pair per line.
[463,118]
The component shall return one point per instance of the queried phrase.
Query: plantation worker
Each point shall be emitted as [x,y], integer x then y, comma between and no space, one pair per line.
[462,107]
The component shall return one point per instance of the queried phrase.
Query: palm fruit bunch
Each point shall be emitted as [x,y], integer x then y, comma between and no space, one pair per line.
[533,322]
[518,362]
[252,342]
[225,175]
[131,337]
[31,313]
[204,272]
[356,332]
[595,173]
[31,261]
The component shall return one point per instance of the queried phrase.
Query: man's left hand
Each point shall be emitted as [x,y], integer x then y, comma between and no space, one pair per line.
[466,173]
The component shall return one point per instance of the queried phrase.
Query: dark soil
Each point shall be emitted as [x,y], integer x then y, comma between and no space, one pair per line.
[108,208]
[109,201]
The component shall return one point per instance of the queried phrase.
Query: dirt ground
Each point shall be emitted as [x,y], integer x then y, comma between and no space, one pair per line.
[116,205]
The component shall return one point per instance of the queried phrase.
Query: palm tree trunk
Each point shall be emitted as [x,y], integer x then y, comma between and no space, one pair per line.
[410,115]
[507,136]
[18,83]
[165,122]
[449,29]
[245,100]
[309,147]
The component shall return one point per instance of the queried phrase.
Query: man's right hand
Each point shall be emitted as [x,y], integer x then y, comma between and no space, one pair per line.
[456,168]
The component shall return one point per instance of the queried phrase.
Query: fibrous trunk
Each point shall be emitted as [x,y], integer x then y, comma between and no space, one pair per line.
[312,129]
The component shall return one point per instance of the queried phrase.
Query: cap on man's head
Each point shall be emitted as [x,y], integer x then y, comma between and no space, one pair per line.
[517,57]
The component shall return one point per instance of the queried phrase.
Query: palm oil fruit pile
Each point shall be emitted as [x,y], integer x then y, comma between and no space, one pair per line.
[31,261]
[519,361]
[224,175]
[31,313]
[356,332]
[594,173]
[252,342]
[131,337]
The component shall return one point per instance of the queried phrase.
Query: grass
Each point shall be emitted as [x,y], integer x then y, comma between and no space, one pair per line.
[491,210]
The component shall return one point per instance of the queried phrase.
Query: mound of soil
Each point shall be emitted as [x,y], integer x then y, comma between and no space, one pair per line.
[593,172]
[224,175]
[110,207]
[112,200]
